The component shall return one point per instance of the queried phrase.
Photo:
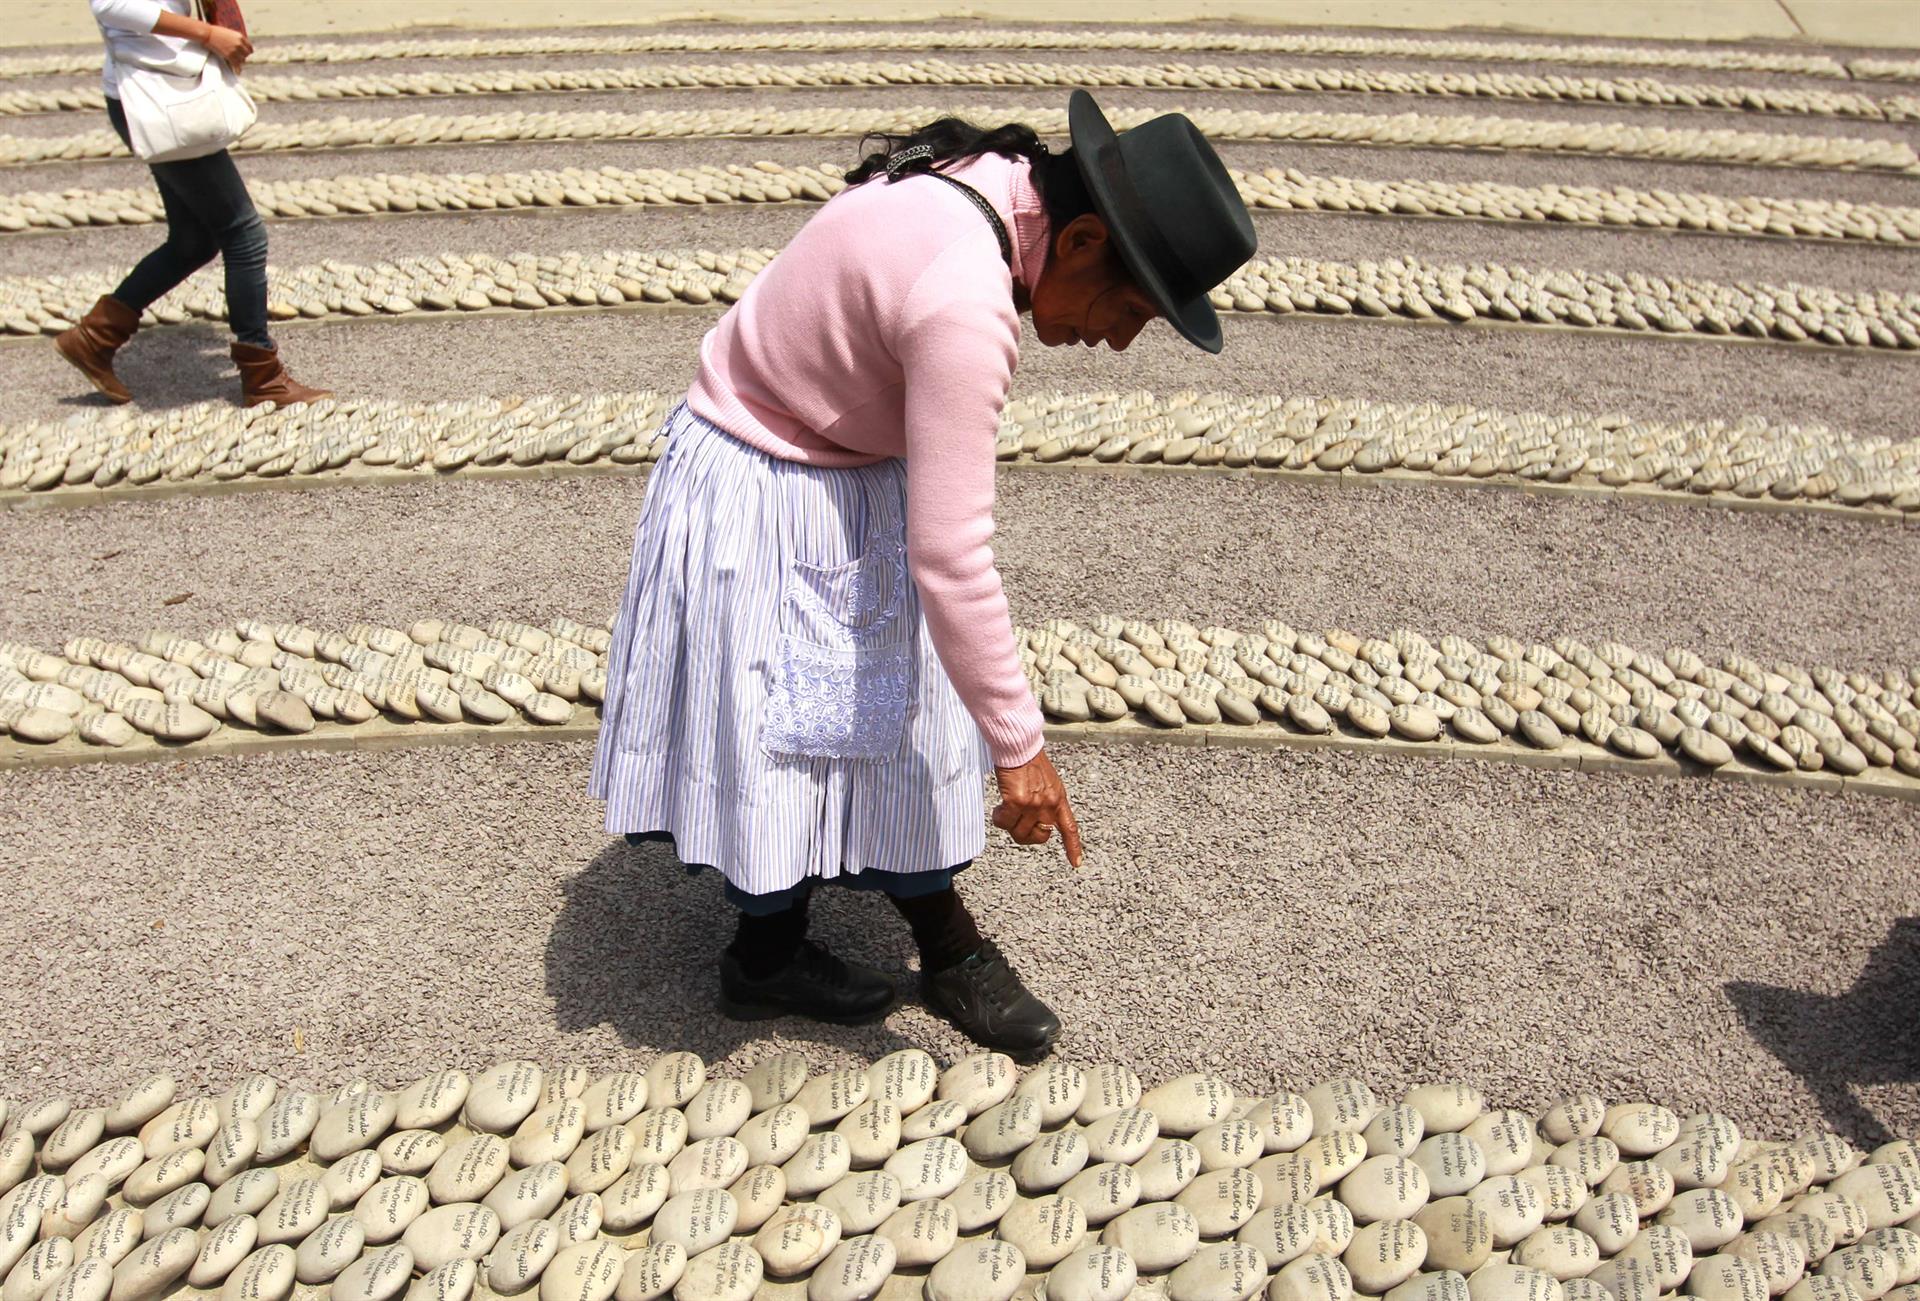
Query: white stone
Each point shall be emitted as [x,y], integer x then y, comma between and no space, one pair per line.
[613,1100]
[1513,1206]
[1497,1282]
[459,1231]
[88,1280]
[503,1095]
[922,1233]
[1560,1250]
[718,1110]
[586,1271]
[578,1219]
[659,1133]
[1727,1278]
[674,1078]
[222,1251]
[468,1170]
[1445,1108]
[385,1210]
[453,1281]
[266,1275]
[1506,1137]
[329,1250]
[822,1161]
[982,1200]
[986,1270]
[758,1194]
[152,1270]
[140,1104]
[549,1134]
[1341,1106]
[286,1125]
[709,1163]
[934,1120]
[830,1095]
[1123,1136]
[732,1271]
[796,1239]
[862,1201]
[932,1167]
[1158,1237]
[978,1081]
[377,1276]
[517,1260]
[296,1210]
[1385,1254]
[1051,1161]
[635,1197]
[774,1080]
[347,1181]
[410,1151]
[39,1270]
[1394,1131]
[1708,1217]
[1640,1129]
[1454,1163]
[432,1100]
[1189,1103]
[1385,1188]
[1057,1086]
[1314,1277]
[1002,1130]
[1111,1087]
[854,1270]
[1224,1271]
[1093,1273]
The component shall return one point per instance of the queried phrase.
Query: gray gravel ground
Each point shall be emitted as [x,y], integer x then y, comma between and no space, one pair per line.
[1278,918]
[1327,236]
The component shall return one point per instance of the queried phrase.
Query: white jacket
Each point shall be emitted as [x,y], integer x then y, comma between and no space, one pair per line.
[127,28]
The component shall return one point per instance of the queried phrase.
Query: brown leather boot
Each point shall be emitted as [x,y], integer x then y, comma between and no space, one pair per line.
[264,379]
[91,344]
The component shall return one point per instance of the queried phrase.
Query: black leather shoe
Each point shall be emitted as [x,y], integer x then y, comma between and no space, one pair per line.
[815,984]
[985,998]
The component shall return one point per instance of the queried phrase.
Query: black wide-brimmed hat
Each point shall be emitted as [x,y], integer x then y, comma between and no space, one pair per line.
[1169,206]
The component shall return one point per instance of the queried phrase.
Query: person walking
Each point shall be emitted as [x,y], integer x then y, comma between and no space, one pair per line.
[208,208]
[814,645]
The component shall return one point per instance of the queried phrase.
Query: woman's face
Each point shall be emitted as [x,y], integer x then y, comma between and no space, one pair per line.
[1085,293]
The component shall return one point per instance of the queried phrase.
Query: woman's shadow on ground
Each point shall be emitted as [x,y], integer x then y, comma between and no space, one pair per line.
[169,366]
[637,943]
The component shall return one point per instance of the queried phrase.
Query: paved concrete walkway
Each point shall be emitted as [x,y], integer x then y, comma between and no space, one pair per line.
[1887,23]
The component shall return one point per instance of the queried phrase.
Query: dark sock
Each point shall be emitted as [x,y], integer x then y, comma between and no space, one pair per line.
[942,927]
[763,945]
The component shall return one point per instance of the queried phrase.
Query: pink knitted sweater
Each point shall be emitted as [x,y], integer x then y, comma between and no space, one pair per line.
[887,328]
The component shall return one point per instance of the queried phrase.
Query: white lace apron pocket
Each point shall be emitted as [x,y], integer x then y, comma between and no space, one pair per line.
[842,675]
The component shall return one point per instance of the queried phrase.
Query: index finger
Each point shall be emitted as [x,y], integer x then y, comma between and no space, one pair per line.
[1069,834]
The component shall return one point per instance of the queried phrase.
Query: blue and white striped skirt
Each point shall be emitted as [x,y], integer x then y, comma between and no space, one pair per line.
[774,702]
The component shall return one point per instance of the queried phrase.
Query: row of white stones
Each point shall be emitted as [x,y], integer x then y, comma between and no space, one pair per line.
[866,39]
[770,182]
[901,1179]
[1645,91]
[1418,130]
[1885,69]
[286,677]
[1403,287]
[1750,458]
[1635,703]
[289,678]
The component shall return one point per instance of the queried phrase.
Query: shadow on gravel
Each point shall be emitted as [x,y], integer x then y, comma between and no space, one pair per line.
[1869,1035]
[637,943]
[169,366]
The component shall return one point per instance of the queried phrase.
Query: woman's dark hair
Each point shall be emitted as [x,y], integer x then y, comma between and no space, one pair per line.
[952,141]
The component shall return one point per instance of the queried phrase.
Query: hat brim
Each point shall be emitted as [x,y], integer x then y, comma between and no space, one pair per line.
[1193,318]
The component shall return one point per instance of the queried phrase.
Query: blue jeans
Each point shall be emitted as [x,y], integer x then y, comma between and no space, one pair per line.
[208,211]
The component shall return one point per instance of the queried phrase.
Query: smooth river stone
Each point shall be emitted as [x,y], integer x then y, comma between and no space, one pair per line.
[1559,1250]
[1611,1220]
[549,1134]
[453,1281]
[613,1099]
[1902,1246]
[1285,1120]
[1228,1145]
[242,1194]
[325,1253]
[987,1270]
[1591,1159]
[1341,1105]
[853,1271]
[932,1167]
[709,1163]
[16,1155]
[88,1280]
[1002,1130]
[732,1271]
[1394,1131]
[1225,1271]
[39,1270]
[1665,1251]
[1314,1277]
[978,1081]
[1384,1188]
[185,1124]
[600,1161]
[83,1202]
[774,1080]
[410,1151]
[222,1251]
[1727,1278]
[829,1096]
[1887,1193]
[1158,1237]
[1577,1116]
[1650,1187]
[1757,1188]
[1453,1162]
[42,1117]
[578,1219]
[1333,1157]
[1111,1087]
[140,1104]
[151,1271]
[796,1239]
[982,1200]
[1814,1287]
[872,1131]
[1780,1259]
[113,1161]
[758,1194]
[1514,1208]
[1447,1285]
[1286,1179]
[659,1134]
[1497,1282]
[357,1123]
[267,1275]
[1280,1233]
[1385,1254]
[112,1236]
[935,1120]
[286,1125]
[1640,1129]
[906,1078]
[863,1201]
[385,1210]
[823,1161]
[1708,1217]
[296,1210]
[1189,1103]
[183,1208]
[633,1199]
[233,1148]
[1561,1191]
[586,1271]
[377,1276]
[775,1135]
[697,1221]
[718,1110]
[673,1079]
[347,1181]
[1445,1108]
[1867,1270]
[432,1100]
[922,1233]
[1058,1086]
[516,1261]
[1506,1137]
[1221,1201]
[1093,1273]
[468,1170]
[1848,1221]
[502,1096]
[73,1138]
[460,1231]
[1051,1161]
[1046,1229]
[529,1194]
[1123,1136]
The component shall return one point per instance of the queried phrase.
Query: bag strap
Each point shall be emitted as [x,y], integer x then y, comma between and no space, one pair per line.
[907,157]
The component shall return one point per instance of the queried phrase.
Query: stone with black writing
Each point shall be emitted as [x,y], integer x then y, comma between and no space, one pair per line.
[862,1201]
[1444,1108]
[432,1100]
[659,1134]
[1612,1220]
[1280,1234]
[1458,1232]
[1384,1188]
[775,1135]
[1665,1250]
[1727,1278]
[39,1270]
[140,1104]
[1560,1250]
[377,1276]
[922,1233]
[1394,1131]
[854,1270]
[1640,1129]
[113,1161]
[1869,1271]
[757,1194]
[549,1134]
[1708,1217]
[518,1259]
[73,1138]
[1050,1161]
[529,1194]
[709,1163]
[824,1159]
[410,1151]
[468,1170]
[674,1078]
[1111,1087]
[347,1181]
[832,1094]
[330,1249]
[1886,1193]
[503,1095]
[113,1236]
[632,1199]
[1057,1086]
[385,1210]
[1093,1273]
[1780,1259]
[1842,1214]
[613,1100]
[244,1194]
[1046,1229]
[183,1208]
[978,1081]
[1159,1237]
[1561,1191]
[932,1167]
[872,1131]
[1385,1254]
[1228,1271]
[731,1271]
[585,1271]
[1447,1285]
[935,1120]
[453,1281]
[774,1080]
[296,1210]
[696,1221]
[1453,1162]
[1189,1103]
[1104,1191]
[1650,1187]
[1902,1248]
[718,1110]
[1123,1136]
[1506,1137]
[982,1199]
[578,1219]
[287,1124]
[1002,1130]
[458,1231]
[1578,1115]
[1589,1159]
[88,1280]
[1510,1282]
[1818,1287]
[796,1239]
[152,1269]
[266,1275]
[984,1270]
[81,1203]
[222,1250]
